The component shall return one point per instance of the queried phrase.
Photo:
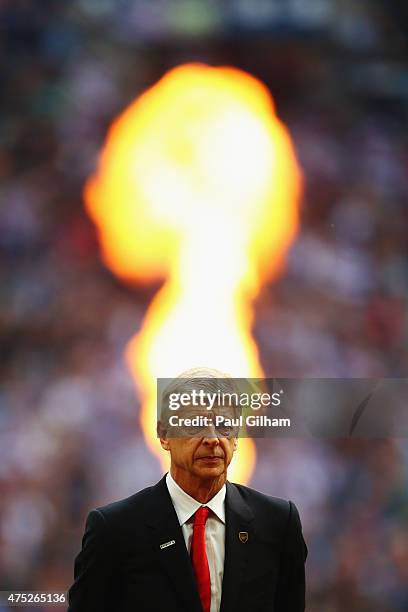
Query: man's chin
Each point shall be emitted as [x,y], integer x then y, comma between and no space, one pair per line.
[210,471]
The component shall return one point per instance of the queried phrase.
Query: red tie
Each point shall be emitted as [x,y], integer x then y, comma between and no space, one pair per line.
[199,558]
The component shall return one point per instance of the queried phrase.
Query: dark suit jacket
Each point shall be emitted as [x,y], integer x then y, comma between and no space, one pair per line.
[121,567]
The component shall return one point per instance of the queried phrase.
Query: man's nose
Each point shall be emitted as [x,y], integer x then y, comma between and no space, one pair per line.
[211,438]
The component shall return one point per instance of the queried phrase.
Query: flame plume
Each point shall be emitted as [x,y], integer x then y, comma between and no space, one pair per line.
[197,184]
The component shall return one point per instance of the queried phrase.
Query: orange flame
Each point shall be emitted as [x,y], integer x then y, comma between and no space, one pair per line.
[197,184]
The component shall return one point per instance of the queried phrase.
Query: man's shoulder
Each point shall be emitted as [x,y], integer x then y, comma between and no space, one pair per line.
[265,506]
[254,496]
[119,511]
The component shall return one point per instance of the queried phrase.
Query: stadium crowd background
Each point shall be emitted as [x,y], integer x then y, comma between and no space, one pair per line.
[69,431]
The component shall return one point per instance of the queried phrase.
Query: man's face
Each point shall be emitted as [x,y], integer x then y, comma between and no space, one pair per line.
[202,457]
[205,458]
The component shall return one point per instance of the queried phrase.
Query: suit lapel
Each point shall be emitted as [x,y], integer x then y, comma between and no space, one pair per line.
[238,519]
[173,557]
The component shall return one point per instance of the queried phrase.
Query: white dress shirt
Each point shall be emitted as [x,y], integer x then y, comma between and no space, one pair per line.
[185,507]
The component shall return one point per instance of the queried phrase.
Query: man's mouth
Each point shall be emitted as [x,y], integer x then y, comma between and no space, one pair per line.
[212,458]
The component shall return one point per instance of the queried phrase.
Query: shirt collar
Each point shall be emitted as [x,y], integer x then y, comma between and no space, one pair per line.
[186,506]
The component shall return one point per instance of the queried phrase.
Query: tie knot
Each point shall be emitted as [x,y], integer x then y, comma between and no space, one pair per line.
[201,516]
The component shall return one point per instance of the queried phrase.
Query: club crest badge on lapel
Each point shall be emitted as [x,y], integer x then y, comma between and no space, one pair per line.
[243,537]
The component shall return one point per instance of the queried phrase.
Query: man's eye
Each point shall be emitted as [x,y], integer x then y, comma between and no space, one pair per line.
[226,432]
[192,431]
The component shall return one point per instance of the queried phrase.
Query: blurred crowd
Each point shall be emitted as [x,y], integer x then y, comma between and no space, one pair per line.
[69,432]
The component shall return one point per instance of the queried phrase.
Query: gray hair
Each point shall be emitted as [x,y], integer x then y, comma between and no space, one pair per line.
[208,379]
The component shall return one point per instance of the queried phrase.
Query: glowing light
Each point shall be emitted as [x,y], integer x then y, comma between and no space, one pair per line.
[197,185]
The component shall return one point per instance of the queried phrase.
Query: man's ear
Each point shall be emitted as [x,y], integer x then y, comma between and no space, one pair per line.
[234,448]
[162,434]
[165,444]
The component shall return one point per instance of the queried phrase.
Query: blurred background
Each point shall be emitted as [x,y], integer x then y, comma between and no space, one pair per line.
[69,432]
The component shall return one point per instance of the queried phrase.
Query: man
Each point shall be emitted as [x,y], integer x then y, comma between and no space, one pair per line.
[194,542]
